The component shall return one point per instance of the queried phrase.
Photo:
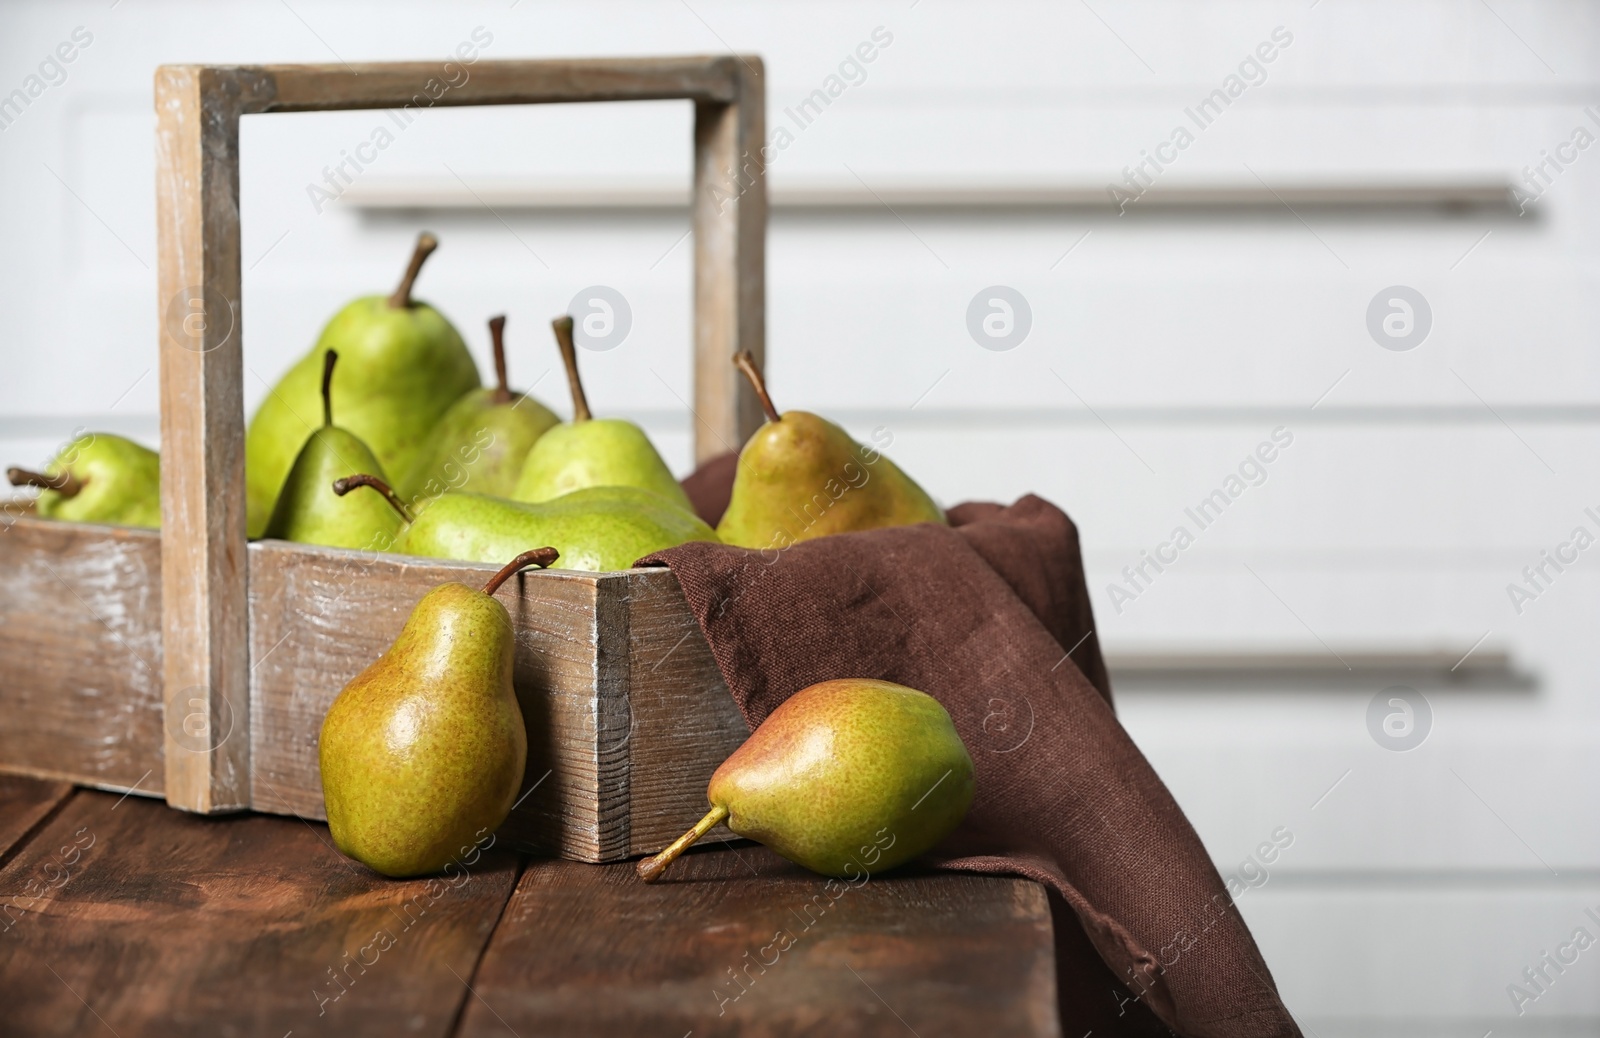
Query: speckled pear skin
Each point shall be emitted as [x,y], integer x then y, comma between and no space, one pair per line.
[600,529]
[802,477]
[599,452]
[308,511]
[479,444]
[399,370]
[121,482]
[838,778]
[422,754]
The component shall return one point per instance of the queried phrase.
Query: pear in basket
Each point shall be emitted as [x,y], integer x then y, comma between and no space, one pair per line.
[403,366]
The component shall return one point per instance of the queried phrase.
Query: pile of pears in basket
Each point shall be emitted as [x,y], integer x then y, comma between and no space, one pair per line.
[424,751]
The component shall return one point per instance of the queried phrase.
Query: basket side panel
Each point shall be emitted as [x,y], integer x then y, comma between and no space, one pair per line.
[318,617]
[80,641]
[684,722]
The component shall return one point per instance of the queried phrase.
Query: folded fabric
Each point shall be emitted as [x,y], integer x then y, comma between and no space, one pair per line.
[991,616]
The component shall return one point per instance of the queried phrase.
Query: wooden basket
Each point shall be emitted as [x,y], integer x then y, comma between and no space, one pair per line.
[193,665]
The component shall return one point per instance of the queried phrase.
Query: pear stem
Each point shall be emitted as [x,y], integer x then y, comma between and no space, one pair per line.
[497,333]
[541,557]
[329,359]
[569,357]
[66,484]
[361,479]
[426,243]
[651,869]
[745,361]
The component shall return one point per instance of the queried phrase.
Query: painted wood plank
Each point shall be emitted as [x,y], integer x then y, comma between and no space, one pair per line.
[592,950]
[149,921]
[80,634]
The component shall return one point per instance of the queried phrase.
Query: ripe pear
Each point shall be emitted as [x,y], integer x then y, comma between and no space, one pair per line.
[422,754]
[846,777]
[481,442]
[592,452]
[309,511]
[404,365]
[600,529]
[98,478]
[801,476]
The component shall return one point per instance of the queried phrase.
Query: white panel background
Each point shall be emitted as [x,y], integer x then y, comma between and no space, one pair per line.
[1415,490]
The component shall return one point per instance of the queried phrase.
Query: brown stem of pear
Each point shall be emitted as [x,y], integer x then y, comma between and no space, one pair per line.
[361,479]
[541,557]
[66,484]
[329,359]
[426,243]
[745,361]
[569,357]
[651,869]
[497,333]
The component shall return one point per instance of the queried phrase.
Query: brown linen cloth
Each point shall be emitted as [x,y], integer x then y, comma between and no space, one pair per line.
[991,616]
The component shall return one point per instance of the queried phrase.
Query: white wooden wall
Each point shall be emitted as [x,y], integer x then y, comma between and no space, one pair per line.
[1165,345]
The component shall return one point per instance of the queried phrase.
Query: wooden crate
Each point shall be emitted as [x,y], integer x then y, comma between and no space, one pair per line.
[192,665]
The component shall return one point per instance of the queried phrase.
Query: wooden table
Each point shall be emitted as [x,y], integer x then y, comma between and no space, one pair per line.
[122,917]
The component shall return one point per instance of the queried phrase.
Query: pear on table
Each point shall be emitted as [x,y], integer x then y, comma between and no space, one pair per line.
[801,476]
[601,529]
[308,511]
[846,777]
[98,478]
[422,754]
[592,452]
[481,442]
[404,365]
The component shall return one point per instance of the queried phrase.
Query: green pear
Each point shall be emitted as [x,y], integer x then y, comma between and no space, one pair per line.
[847,778]
[481,442]
[98,478]
[404,365]
[309,511]
[422,754]
[592,452]
[801,476]
[600,529]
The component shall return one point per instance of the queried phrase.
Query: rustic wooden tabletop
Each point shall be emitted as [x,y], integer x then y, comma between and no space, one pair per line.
[123,917]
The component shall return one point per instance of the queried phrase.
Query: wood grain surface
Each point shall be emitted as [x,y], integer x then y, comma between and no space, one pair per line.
[24,804]
[203,597]
[80,653]
[135,919]
[738,941]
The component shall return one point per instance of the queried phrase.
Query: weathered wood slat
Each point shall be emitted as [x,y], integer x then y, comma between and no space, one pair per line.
[739,942]
[449,82]
[24,803]
[146,921]
[80,653]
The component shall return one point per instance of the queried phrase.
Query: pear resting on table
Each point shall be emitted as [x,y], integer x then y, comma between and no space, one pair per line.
[98,478]
[403,366]
[423,752]
[847,778]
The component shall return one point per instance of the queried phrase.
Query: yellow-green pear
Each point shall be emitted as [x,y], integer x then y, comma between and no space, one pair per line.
[403,366]
[98,478]
[601,529]
[482,441]
[801,476]
[422,754]
[308,511]
[592,452]
[847,778]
